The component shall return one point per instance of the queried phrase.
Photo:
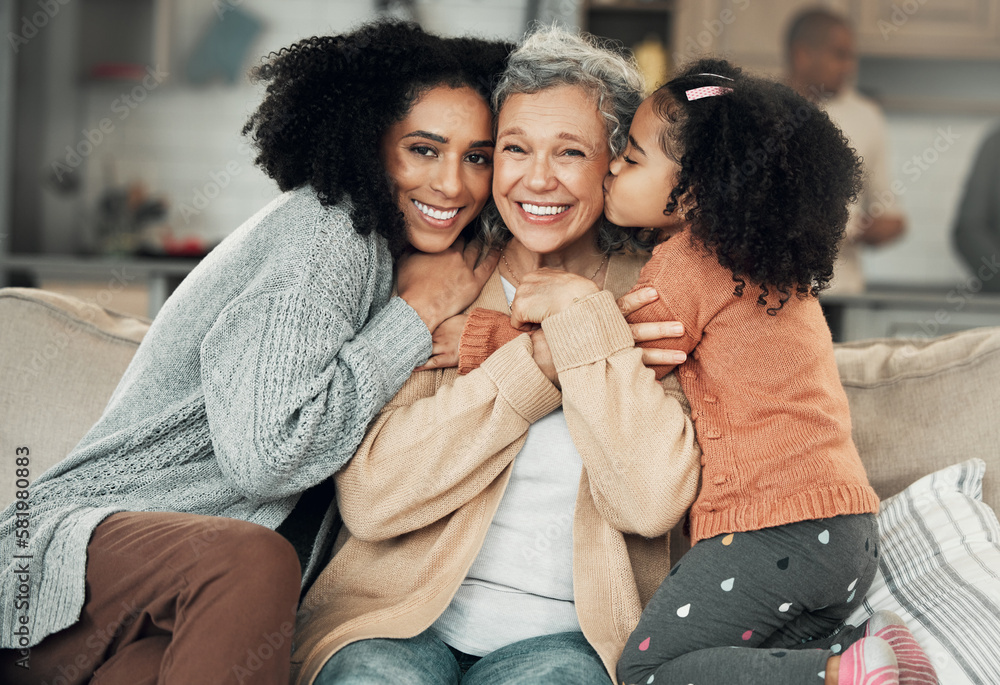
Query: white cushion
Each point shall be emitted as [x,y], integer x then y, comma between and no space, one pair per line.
[939,569]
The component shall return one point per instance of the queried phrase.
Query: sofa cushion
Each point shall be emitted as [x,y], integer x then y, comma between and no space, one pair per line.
[60,360]
[938,565]
[918,405]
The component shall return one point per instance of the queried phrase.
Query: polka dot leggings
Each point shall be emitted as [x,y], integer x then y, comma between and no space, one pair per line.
[779,596]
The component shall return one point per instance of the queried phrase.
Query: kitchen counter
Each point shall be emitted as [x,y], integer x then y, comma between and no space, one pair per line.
[159,275]
[891,311]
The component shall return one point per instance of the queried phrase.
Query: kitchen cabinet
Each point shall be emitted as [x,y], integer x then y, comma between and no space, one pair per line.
[630,21]
[752,32]
[644,27]
[120,39]
[966,29]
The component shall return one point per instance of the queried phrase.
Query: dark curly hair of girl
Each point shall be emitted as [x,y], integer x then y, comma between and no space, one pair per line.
[765,179]
[330,99]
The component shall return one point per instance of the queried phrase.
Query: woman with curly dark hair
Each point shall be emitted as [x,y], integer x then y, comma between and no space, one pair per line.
[153,555]
[751,183]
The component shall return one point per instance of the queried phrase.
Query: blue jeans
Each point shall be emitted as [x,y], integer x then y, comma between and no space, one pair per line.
[426,660]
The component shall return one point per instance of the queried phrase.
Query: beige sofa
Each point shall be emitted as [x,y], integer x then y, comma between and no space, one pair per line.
[917,406]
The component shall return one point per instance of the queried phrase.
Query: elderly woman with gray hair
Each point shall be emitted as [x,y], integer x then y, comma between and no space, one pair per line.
[509,525]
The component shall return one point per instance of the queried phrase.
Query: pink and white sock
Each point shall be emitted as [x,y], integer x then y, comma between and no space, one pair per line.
[869,661]
[914,666]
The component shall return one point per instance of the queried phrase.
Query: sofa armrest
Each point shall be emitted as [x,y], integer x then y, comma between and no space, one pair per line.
[60,360]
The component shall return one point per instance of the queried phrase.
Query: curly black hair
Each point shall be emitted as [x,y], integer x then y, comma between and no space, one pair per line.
[765,178]
[330,99]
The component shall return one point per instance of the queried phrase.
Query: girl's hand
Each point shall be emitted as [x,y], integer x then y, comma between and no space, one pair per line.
[654,330]
[542,355]
[445,340]
[545,292]
[439,286]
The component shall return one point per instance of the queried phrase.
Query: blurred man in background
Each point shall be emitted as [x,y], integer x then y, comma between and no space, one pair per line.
[977,228]
[822,62]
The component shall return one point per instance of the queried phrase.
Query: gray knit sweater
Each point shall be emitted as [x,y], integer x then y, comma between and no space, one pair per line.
[255,382]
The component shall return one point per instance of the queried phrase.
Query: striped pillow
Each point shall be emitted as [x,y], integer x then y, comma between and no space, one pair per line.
[940,571]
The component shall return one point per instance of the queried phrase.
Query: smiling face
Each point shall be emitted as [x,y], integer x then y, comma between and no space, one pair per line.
[439,158]
[641,179]
[552,157]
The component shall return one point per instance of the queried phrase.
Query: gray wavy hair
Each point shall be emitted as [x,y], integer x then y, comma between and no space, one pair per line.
[551,56]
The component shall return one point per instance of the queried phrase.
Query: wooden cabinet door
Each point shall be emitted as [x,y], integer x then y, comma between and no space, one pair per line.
[928,28]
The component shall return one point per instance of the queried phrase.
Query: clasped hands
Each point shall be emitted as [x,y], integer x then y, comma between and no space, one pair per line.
[547,292]
[441,286]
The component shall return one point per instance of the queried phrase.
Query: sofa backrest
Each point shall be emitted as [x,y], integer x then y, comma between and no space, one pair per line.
[60,360]
[916,405]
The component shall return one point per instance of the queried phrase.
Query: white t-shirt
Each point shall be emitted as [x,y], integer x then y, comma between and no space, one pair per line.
[521,583]
[862,122]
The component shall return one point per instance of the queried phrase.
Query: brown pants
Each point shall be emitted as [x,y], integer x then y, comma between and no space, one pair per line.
[175,599]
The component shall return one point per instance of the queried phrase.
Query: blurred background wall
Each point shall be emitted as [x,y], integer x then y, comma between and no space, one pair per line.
[139,103]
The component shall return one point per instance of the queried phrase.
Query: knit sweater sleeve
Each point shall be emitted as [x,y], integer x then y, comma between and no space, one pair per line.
[290,385]
[485,332]
[634,435]
[437,446]
[669,274]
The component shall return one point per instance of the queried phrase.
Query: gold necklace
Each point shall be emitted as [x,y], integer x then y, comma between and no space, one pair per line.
[517,282]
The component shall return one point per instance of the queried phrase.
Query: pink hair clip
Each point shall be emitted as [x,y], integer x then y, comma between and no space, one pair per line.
[706,92]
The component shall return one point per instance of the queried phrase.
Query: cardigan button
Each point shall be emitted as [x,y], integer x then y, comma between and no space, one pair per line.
[711,399]
[710,432]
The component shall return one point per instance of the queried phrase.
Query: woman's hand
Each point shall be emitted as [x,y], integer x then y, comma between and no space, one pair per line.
[542,355]
[439,286]
[445,340]
[545,292]
[654,330]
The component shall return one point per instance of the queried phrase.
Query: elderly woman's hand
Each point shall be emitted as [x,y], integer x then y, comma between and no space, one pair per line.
[542,355]
[439,286]
[545,292]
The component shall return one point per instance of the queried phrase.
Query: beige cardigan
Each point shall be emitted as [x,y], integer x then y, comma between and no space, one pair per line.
[419,495]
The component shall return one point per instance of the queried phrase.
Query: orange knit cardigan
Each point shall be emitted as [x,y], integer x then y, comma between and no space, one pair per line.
[770,413]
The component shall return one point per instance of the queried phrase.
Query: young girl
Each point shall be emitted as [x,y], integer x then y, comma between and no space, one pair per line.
[751,183]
